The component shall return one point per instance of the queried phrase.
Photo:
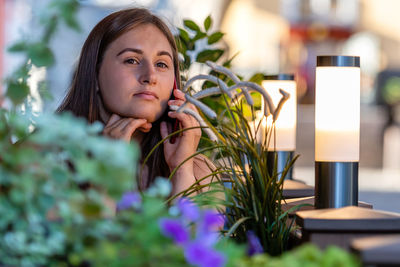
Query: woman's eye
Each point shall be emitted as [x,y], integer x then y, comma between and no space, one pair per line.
[131,61]
[162,65]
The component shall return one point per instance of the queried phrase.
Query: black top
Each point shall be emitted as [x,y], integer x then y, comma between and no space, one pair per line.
[280,77]
[338,61]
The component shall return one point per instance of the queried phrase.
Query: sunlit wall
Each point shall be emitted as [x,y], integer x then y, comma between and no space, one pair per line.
[255,34]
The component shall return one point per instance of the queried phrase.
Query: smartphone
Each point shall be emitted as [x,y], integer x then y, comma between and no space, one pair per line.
[175,122]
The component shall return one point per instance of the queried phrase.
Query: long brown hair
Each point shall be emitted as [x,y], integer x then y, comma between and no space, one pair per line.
[82,99]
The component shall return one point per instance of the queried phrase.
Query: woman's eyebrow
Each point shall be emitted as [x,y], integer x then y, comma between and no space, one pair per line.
[164,53]
[138,51]
[135,50]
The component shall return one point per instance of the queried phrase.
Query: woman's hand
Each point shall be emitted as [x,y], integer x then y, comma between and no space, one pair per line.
[123,128]
[186,143]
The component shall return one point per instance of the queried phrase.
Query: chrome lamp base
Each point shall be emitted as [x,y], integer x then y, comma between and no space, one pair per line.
[336,184]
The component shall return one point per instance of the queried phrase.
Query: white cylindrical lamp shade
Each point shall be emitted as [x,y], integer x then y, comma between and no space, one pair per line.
[286,123]
[337,109]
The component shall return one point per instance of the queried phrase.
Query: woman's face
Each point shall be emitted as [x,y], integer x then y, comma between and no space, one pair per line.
[136,75]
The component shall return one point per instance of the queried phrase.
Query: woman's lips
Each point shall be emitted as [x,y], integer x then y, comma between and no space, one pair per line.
[146,95]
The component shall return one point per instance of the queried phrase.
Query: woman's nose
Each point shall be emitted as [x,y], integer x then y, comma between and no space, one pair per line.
[148,74]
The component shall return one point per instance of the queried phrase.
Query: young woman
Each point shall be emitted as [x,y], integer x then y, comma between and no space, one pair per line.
[125,79]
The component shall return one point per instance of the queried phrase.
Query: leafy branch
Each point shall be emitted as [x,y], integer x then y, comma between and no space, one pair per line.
[37,53]
[190,37]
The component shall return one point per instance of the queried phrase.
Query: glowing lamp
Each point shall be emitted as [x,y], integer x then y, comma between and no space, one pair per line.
[283,142]
[337,131]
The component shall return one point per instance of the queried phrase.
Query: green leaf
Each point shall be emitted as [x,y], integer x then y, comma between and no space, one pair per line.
[187,62]
[72,22]
[199,35]
[212,55]
[41,55]
[51,27]
[237,224]
[68,10]
[207,22]
[18,47]
[215,37]
[191,46]
[181,46]
[23,71]
[17,92]
[184,34]
[91,209]
[190,24]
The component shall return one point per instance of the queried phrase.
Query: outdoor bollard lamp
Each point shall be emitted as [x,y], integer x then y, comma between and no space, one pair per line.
[337,131]
[284,143]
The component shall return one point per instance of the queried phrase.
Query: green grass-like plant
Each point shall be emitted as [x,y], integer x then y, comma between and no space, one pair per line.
[253,192]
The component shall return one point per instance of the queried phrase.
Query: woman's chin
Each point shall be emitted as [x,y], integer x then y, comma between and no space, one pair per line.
[148,117]
[149,113]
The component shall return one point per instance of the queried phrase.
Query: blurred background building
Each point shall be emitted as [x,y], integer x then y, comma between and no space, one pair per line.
[270,37]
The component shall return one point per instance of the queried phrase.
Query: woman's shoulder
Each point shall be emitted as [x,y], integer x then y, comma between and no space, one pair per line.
[203,162]
[202,166]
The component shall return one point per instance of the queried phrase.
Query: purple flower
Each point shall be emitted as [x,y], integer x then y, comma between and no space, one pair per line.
[199,254]
[188,209]
[174,229]
[254,245]
[208,228]
[207,238]
[128,200]
[212,221]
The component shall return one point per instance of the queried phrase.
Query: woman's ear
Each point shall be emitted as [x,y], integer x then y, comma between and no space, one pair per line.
[103,112]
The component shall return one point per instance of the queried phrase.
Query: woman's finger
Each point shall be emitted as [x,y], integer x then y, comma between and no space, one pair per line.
[183,118]
[145,127]
[120,124]
[192,107]
[187,121]
[123,128]
[178,94]
[132,125]
[114,118]
[176,102]
[130,121]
